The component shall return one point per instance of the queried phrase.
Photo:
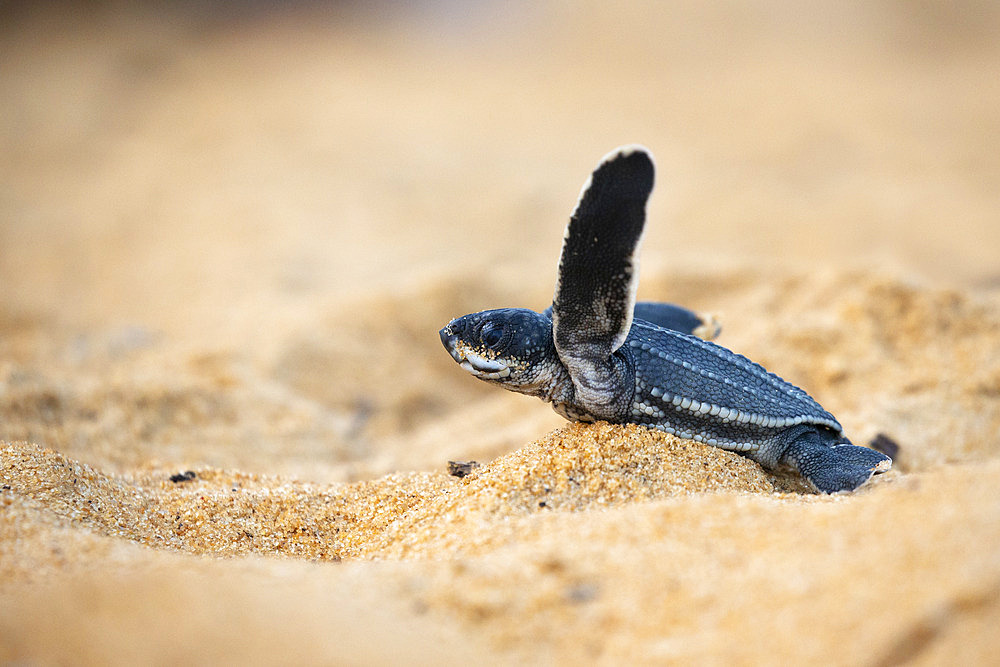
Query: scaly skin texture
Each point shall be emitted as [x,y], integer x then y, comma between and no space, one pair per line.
[699,390]
[594,358]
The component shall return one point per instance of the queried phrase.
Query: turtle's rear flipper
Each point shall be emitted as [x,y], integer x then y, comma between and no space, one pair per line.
[837,468]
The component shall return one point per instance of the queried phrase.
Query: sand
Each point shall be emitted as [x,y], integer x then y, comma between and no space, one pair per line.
[228,237]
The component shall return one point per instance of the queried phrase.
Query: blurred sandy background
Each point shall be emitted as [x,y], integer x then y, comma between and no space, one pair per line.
[230,231]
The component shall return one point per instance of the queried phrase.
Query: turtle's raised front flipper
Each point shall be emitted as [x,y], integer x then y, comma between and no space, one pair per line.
[598,273]
[595,293]
[671,316]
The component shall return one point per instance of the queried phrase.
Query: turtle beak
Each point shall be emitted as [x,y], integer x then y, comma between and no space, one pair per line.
[450,342]
[448,339]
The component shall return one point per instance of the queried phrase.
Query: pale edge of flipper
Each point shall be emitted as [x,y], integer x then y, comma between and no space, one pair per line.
[710,327]
[630,264]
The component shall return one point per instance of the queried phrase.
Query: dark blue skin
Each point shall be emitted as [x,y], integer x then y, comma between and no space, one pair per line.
[596,359]
[520,340]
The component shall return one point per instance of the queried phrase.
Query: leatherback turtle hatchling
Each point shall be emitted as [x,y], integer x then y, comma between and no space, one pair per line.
[596,355]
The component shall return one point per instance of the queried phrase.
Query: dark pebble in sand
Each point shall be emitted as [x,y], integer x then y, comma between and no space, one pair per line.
[461,468]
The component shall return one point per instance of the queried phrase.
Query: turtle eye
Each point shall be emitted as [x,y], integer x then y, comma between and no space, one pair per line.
[492,335]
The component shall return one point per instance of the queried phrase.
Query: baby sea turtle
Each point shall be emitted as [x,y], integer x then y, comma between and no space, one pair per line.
[596,354]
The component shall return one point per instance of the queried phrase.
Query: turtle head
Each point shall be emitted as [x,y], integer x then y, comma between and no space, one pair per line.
[511,347]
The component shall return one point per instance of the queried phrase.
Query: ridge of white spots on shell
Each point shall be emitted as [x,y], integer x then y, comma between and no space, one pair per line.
[762,374]
[727,415]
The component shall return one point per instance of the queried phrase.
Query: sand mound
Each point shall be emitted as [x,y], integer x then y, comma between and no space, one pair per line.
[576,468]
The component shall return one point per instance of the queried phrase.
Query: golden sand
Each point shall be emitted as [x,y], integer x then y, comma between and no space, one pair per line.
[576,468]
[227,242]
